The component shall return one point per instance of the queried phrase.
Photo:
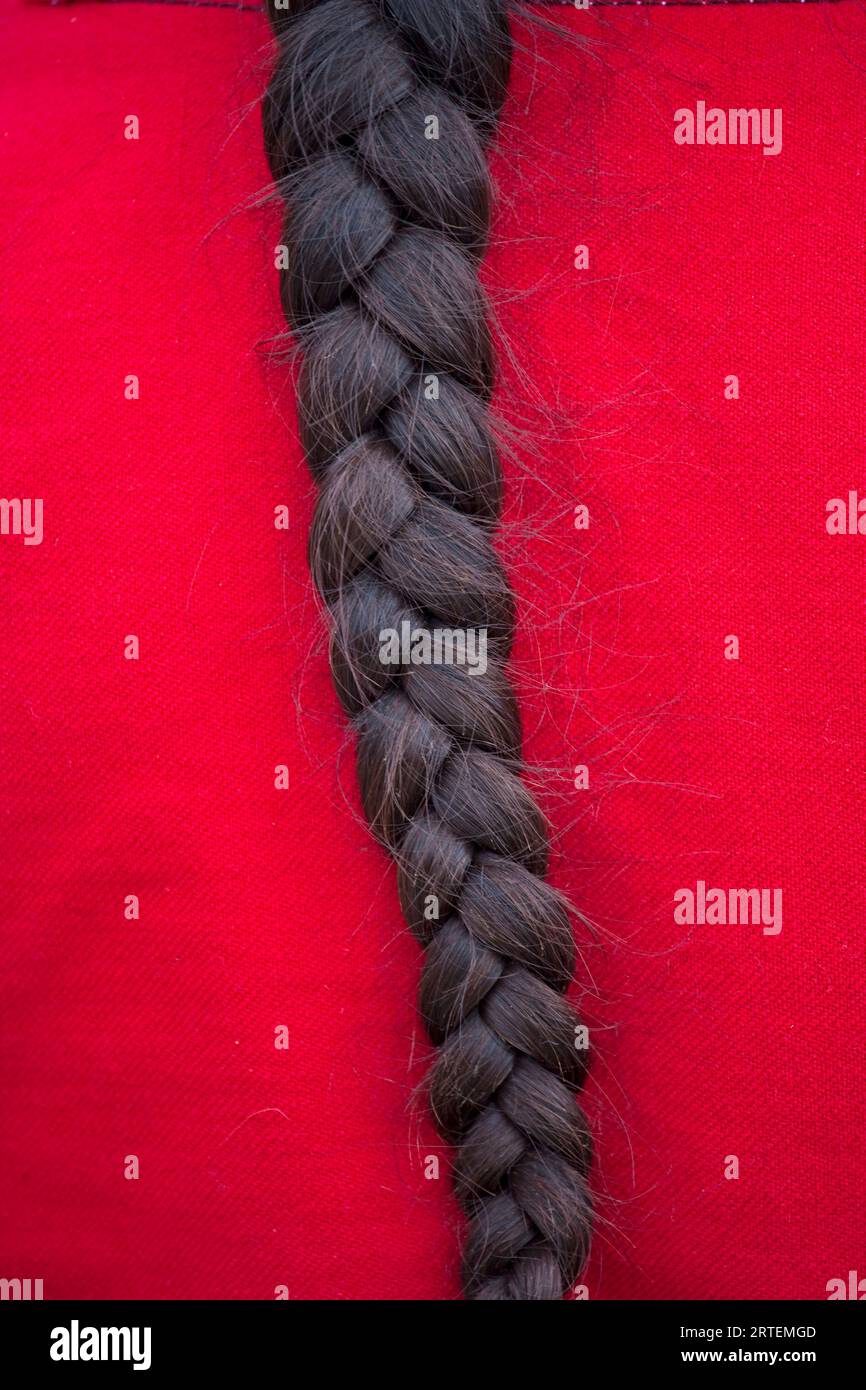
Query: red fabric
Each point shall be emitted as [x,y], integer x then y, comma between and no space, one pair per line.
[261,907]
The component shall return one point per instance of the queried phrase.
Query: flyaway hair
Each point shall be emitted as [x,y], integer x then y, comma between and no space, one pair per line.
[376,121]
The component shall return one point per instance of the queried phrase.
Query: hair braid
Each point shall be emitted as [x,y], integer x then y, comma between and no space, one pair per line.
[385,228]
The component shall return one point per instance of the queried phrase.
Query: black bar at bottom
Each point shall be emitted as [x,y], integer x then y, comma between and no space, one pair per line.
[215,1339]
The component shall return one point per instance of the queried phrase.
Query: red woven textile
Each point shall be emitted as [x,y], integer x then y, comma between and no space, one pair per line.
[306,1167]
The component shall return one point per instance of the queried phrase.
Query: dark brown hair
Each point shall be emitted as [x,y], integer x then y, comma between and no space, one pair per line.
[387,214]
